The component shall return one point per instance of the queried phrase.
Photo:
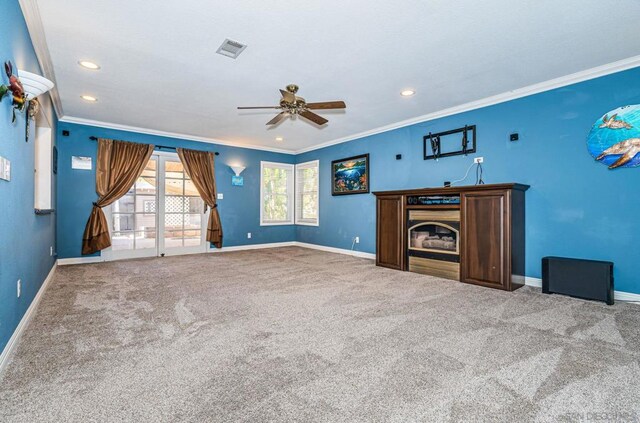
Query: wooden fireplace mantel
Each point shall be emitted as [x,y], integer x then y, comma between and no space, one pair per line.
[454,190]
[491,236]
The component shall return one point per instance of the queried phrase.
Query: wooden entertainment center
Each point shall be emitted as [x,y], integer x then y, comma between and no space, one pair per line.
[474,234]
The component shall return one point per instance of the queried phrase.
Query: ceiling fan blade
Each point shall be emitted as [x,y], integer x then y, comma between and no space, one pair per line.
[313,117]
[260,107]
[278,118]
[327,105]
[288,97]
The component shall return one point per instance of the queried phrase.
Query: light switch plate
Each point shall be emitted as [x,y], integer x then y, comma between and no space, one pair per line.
[220,196]
[5,169]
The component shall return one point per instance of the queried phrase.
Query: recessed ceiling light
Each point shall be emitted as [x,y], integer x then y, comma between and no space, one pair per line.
[407,93]
[88,65]
[279,139]
[89,98]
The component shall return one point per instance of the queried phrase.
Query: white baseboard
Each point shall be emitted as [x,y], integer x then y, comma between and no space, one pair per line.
[251,247]
[100,259]
[87,260]
[535,282]
[336,250]
[626,296]
[617,295]
[24,322]
[80,260]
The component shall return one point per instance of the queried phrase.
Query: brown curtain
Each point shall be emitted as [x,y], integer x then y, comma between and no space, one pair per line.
[118,166]
[200,168]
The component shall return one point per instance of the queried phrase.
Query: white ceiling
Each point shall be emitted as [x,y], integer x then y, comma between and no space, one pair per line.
[160,71]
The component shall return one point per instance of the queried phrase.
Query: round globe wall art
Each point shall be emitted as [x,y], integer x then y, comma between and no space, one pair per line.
[614,139]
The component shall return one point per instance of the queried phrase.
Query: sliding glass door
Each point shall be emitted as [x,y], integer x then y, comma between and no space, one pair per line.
[183,216]
[162,214]
[134,217]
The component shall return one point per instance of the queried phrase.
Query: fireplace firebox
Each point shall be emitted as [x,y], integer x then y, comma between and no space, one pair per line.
[433,238]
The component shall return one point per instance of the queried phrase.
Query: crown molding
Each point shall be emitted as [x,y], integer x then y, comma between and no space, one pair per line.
[551,84]
[32,18]
[147,131]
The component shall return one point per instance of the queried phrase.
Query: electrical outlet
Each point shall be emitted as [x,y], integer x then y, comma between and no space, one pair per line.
[19,288]
[249,235]
[50,251]
[357,240]
[478,160]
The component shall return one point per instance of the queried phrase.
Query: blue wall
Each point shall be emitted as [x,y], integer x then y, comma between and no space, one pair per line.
[25,238]
[576,207]
[239,210]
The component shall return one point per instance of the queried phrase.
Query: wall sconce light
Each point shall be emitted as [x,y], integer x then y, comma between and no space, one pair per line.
[237,180]
[237,169]
[34,85]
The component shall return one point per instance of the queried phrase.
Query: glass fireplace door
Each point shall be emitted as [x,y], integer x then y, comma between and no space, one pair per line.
[434,237]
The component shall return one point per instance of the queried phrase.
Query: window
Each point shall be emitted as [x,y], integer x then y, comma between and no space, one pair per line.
[133,224]
[307,187]
[276,193]
[279,184]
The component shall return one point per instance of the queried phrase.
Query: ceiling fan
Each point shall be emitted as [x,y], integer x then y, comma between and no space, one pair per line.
[291,104]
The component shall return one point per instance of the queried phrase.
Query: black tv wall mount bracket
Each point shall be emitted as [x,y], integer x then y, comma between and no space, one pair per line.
[433,143]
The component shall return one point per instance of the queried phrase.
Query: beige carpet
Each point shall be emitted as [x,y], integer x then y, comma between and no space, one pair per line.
[292,334]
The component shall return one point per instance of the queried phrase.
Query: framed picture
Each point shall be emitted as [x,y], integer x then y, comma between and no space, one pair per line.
[81,162]
[350,175]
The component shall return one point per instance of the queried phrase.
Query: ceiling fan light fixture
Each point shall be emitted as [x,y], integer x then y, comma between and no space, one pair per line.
[292,105]
[407,93]
[88,65]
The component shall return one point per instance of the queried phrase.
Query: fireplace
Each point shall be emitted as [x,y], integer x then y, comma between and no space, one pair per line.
[433,242]
[436,237]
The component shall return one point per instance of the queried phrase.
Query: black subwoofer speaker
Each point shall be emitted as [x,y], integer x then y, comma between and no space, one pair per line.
[588,279]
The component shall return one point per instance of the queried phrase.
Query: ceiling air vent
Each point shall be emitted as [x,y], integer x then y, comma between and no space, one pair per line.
[231,48]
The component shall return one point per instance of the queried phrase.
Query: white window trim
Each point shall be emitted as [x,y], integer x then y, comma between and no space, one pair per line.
[298,211]
[290,193]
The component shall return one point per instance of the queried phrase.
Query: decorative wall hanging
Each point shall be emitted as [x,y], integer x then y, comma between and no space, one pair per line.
[614,139]
[54,158]
[24,89]
[15,86]
[350,175]
[447,143]
[81,163]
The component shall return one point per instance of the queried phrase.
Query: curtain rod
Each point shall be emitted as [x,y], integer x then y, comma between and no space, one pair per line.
[93,138]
